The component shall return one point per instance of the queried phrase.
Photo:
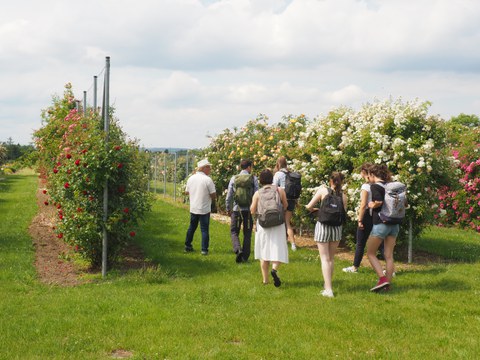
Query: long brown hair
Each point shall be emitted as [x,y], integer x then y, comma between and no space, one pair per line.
[381,171]
[365,167]
[281,164]
[337,180]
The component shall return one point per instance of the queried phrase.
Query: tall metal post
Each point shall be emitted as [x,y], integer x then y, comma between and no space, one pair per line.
[155,179]
[95,93]
[105,189]
[175,180]
[186,165]
[84,103]
[149,168]
[410,241]
[164,174]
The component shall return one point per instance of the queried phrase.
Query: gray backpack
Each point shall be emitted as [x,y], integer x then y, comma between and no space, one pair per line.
[270,209]
[393,207]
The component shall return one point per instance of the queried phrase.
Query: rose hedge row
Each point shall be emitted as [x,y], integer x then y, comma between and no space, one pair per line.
[397,133]
[75,161]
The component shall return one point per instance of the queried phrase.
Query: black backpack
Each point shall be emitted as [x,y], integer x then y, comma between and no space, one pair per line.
[293,185]
[331,211]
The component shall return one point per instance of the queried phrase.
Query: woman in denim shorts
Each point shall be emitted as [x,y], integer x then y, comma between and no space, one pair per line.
[387,233]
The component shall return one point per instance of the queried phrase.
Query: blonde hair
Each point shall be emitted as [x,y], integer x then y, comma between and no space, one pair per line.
[281,164]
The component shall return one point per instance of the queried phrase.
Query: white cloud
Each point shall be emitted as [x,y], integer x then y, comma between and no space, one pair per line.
[185,68]
[347,95]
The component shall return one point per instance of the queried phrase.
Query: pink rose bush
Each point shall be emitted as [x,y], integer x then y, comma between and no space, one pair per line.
[76,161]
[459,204]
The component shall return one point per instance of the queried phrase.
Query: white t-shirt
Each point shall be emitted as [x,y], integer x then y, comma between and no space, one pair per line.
[366,187]
[279,178]
[199,187]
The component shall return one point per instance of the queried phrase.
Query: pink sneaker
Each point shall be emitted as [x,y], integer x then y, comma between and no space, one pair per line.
[382,282]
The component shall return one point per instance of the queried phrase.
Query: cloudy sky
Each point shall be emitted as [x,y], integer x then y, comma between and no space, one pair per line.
[185,69]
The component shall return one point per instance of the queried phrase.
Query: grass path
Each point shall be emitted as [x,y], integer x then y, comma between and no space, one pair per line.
[195,307]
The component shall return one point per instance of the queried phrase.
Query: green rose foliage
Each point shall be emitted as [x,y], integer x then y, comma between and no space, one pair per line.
[76,161]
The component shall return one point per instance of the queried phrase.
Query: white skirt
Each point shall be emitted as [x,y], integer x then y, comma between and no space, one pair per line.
[271,243]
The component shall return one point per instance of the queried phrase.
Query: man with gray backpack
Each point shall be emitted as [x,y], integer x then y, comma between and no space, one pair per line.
[239,198]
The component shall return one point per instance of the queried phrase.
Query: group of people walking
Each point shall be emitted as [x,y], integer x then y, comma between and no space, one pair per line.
[248,197]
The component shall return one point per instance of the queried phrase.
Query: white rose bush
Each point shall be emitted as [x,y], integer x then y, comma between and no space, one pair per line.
[400,134]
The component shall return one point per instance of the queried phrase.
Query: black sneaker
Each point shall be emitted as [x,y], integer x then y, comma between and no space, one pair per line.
[239,257]
[188,249]
[276,279]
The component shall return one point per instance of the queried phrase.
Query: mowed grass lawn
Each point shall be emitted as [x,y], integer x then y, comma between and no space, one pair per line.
[208,307]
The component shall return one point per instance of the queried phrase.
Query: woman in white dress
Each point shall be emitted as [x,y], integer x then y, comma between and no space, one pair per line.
[270,243]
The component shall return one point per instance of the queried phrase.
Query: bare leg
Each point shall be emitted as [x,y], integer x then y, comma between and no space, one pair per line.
[290,232]
[327,262]
[275,265]
[332,249]
[264,265]
[390,242]
[373,244]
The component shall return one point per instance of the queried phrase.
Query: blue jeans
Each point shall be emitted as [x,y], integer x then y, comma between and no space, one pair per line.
[362,237]
[204,228]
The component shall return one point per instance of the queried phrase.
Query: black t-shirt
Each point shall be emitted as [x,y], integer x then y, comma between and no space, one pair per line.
[378,194]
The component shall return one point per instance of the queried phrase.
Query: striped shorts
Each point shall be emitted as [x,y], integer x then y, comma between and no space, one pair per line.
[327,233]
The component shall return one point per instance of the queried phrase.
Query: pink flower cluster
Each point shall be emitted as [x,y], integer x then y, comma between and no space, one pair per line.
[461,206]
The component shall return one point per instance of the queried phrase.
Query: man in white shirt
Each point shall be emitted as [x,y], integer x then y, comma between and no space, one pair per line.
[201,190]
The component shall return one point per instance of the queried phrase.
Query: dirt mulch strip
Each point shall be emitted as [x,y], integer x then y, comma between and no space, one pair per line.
[53,259]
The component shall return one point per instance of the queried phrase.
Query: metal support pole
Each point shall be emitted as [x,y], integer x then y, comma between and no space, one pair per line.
[175,180]
[186,165]
[84,103]
[155,178]
[95,93]
[164,174]
[148,171]
[105,188]
[410,241]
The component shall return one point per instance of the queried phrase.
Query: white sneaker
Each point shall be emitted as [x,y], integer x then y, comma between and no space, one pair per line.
[327,293]
[350,269]
[294,247]
[385,273]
